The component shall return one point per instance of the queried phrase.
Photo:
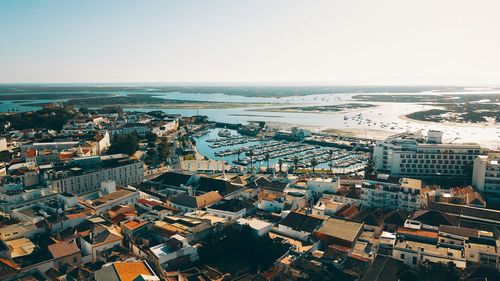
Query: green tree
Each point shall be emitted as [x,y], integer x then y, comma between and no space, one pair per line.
[296,163]
[239,153]
[267,157]
[127,144]
[150,137]
[42,119]
[330,154]
[163,149]
[84,110]
[250,154]
[314,163]
[237,249]
[430,272]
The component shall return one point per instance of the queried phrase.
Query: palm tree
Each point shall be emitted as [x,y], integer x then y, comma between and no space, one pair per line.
[280,163]
[267,157]
[250,154]
[239,152]
[330,153]
[314,163]
[295,163]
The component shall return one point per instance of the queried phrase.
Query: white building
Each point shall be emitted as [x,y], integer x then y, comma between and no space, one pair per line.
[174,248]
[128,129]
[299,226]
[485,253]
[271,201]
[13,197]
[19,230]
[319,185]
[326,206]
[108,197]
[230,210]
[78,180]
[408,158]
[165,127]
[99,239]
[3,144]
[384,193]
[260,227]
[413,253]
[486,173]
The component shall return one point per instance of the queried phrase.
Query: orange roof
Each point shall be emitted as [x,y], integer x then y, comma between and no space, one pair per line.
[9,263]
[418,232]
[133,224]
[63,249]
[30,153]
[348,212]
[128,271]
[75,216]
[149,202]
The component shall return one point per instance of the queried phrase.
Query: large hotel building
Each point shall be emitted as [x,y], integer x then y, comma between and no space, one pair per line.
[405,157]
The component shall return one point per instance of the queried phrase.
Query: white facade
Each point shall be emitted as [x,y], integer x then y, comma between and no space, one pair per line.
[486,173]
[165,128]
[486,255]
[259,226]
[3,144]
[270,201]
[139,130]
[104,143]
[390,196]
[319,186]
[290,232]
[18,198]
[413,253]
[227,215]
[108,201]
[163,255]
[19,230]
[91,250]
[87,182]
[408,158]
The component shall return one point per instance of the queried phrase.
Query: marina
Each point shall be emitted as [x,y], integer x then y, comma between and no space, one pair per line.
[259,152]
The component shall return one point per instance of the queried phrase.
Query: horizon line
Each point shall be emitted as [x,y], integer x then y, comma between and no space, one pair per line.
[247,83]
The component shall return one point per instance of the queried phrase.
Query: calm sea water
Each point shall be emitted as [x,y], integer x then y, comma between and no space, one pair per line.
[384,119]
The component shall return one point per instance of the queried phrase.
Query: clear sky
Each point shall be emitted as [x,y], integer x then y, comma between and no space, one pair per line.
[348,41]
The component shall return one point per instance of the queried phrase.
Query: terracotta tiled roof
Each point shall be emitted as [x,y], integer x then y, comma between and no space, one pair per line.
[418,232]
[63,249]
[128,271]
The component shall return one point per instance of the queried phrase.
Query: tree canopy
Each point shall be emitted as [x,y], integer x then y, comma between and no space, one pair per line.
[237,249]
[430,272]
[53,119]
[127,144]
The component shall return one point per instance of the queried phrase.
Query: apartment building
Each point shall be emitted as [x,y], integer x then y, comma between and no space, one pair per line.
[108,197]
[413,253]
[84,175]
[130,128]
[486,173]
[386,192]
[403,157]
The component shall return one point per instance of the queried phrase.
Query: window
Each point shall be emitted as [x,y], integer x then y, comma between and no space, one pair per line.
[414,260]
[403,256]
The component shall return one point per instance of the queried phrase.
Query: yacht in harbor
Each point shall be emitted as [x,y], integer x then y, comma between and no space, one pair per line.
[225,133]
